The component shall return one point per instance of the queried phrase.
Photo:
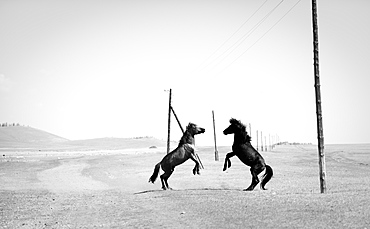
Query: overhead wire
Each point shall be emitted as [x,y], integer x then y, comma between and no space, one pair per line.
[232,35]
[248,34]
[263,35]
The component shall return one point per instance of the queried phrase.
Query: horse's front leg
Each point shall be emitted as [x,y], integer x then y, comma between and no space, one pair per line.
[197,164]
[227,163]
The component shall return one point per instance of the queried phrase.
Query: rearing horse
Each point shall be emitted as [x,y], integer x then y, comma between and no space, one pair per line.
[243,149]
[182,153]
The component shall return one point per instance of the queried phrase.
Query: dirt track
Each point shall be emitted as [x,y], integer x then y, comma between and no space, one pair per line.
[109,189]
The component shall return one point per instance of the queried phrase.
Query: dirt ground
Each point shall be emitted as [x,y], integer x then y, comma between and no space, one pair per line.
[110,189]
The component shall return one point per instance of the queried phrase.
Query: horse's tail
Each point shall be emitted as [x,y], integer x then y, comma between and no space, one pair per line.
[155,173]
[269,173]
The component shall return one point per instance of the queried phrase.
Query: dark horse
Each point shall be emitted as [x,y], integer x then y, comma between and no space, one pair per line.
[243,149]
[182,153]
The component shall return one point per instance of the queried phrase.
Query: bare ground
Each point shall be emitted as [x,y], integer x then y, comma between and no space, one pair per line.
[109,189]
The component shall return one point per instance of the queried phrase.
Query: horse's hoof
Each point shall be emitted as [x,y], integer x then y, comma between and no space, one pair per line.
[248,189]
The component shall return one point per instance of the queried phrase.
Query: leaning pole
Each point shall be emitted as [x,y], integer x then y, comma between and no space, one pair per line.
[320,132]
[214,136]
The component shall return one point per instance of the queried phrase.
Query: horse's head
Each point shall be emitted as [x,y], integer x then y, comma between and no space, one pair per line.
[235,127]
[194,129]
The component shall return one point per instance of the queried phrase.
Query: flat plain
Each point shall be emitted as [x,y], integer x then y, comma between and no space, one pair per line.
[108,188]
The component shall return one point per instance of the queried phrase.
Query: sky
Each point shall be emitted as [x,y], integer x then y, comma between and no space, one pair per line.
[92,69]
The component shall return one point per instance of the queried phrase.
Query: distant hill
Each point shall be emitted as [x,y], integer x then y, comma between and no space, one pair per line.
[21,134]
[20,137]
[118,143]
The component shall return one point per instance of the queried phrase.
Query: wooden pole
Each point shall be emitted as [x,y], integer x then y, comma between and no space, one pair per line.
[214,134]
[250,129]
[320,132]
[257,140]
[261,142]
[169,123]
[270,145]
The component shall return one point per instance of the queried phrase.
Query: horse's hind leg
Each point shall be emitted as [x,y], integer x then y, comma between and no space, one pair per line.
[164,178]
[255,180]
[163,184]
[255,170]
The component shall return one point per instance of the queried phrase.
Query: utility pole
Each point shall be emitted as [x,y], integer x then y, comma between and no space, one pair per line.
[320,132]
[169,123]
[250,130]
[270,147]
[170,109]
[261,142]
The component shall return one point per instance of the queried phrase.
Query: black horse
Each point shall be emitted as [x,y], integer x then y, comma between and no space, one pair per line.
[243,149]
[182,153]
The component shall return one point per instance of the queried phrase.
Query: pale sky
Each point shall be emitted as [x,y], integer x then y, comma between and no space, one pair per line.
[91,69]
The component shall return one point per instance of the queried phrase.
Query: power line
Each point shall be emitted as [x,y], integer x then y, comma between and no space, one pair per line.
[245,22]
[250,32]
[264,34]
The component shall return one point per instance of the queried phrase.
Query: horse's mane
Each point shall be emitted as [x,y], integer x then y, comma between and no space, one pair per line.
[243,128]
